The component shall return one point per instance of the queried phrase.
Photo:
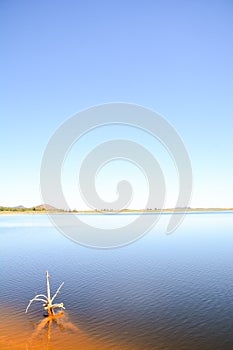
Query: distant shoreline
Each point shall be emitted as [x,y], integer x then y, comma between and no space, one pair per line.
[34,211]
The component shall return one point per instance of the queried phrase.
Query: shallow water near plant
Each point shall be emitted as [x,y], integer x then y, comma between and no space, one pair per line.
[160,292]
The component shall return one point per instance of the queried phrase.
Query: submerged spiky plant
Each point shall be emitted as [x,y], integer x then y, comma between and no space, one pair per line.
[47,300]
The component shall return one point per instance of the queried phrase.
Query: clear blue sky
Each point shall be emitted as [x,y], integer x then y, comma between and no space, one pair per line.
[58,57]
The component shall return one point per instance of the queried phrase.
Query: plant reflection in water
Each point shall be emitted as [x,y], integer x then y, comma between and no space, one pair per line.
[44,328]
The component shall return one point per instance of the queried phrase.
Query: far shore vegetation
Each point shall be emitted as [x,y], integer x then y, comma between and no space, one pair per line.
[44,208]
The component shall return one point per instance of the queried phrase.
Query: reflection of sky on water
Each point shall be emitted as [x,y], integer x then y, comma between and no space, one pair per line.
[163,289]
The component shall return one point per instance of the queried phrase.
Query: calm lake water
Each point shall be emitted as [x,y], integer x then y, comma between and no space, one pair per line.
[160,292]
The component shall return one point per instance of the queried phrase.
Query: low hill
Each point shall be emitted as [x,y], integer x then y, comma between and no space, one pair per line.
[45,207]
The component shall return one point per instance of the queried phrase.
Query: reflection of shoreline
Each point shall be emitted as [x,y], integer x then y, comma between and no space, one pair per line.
[125,211]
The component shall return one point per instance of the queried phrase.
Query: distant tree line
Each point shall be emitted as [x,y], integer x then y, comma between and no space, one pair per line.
[21,209]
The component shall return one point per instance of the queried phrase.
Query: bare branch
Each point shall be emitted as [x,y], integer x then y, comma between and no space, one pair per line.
[53,306]
[58,305]
[47,301]
[57,292]
[42,295]
[35,299]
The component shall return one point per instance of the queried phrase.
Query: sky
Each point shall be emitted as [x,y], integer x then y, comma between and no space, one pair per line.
[60,57]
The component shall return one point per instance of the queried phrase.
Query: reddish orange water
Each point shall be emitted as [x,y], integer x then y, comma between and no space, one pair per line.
[18,333]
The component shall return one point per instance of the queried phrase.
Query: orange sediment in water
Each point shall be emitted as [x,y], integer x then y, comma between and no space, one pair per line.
[49,333]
